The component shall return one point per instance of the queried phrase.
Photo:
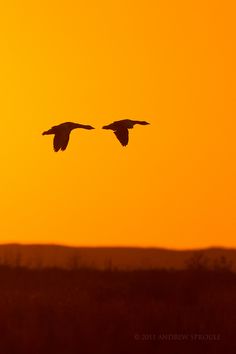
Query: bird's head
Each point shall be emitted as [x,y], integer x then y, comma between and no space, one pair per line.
[143,123]
[89,127]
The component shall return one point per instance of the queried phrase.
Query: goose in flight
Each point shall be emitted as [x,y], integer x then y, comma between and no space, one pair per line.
[120,129]
[62,134]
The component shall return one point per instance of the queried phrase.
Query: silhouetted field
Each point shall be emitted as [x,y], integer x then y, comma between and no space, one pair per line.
[104,311]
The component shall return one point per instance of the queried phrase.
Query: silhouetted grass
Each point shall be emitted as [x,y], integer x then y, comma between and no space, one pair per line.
[91,311]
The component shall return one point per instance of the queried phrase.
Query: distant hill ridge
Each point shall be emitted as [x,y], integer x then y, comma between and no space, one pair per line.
[124,258]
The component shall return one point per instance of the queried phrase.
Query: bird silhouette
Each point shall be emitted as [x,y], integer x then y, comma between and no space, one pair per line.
[62,134]
[120,129]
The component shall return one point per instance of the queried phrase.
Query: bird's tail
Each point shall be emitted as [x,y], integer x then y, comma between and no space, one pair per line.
[48,132]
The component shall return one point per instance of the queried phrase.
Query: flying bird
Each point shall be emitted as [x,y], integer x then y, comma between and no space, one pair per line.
[62,134]
[120,129]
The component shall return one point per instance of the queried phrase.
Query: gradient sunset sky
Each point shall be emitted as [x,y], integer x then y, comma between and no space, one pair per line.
[171,63]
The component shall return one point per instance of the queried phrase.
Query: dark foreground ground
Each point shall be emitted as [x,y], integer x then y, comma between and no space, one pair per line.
[90,311]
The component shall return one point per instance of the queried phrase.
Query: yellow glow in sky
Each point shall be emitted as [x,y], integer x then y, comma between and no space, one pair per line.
[171,63]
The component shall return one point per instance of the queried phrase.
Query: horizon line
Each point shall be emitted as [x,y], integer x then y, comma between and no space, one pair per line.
[51,244]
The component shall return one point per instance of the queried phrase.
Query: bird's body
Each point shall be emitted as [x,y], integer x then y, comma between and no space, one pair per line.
[62,134]
[120,129]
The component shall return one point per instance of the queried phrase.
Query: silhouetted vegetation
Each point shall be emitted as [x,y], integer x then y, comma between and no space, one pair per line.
[91,311]
[200,262]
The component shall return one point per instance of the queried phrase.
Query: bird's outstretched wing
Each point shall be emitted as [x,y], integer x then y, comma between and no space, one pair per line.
[60,141]
[122,135]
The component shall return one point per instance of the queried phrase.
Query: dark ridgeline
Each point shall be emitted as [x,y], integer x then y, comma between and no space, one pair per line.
[121,127]
[45,311]
[121,258]
[62,134]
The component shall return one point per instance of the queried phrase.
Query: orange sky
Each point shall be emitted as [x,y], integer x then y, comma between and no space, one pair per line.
[171,63]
